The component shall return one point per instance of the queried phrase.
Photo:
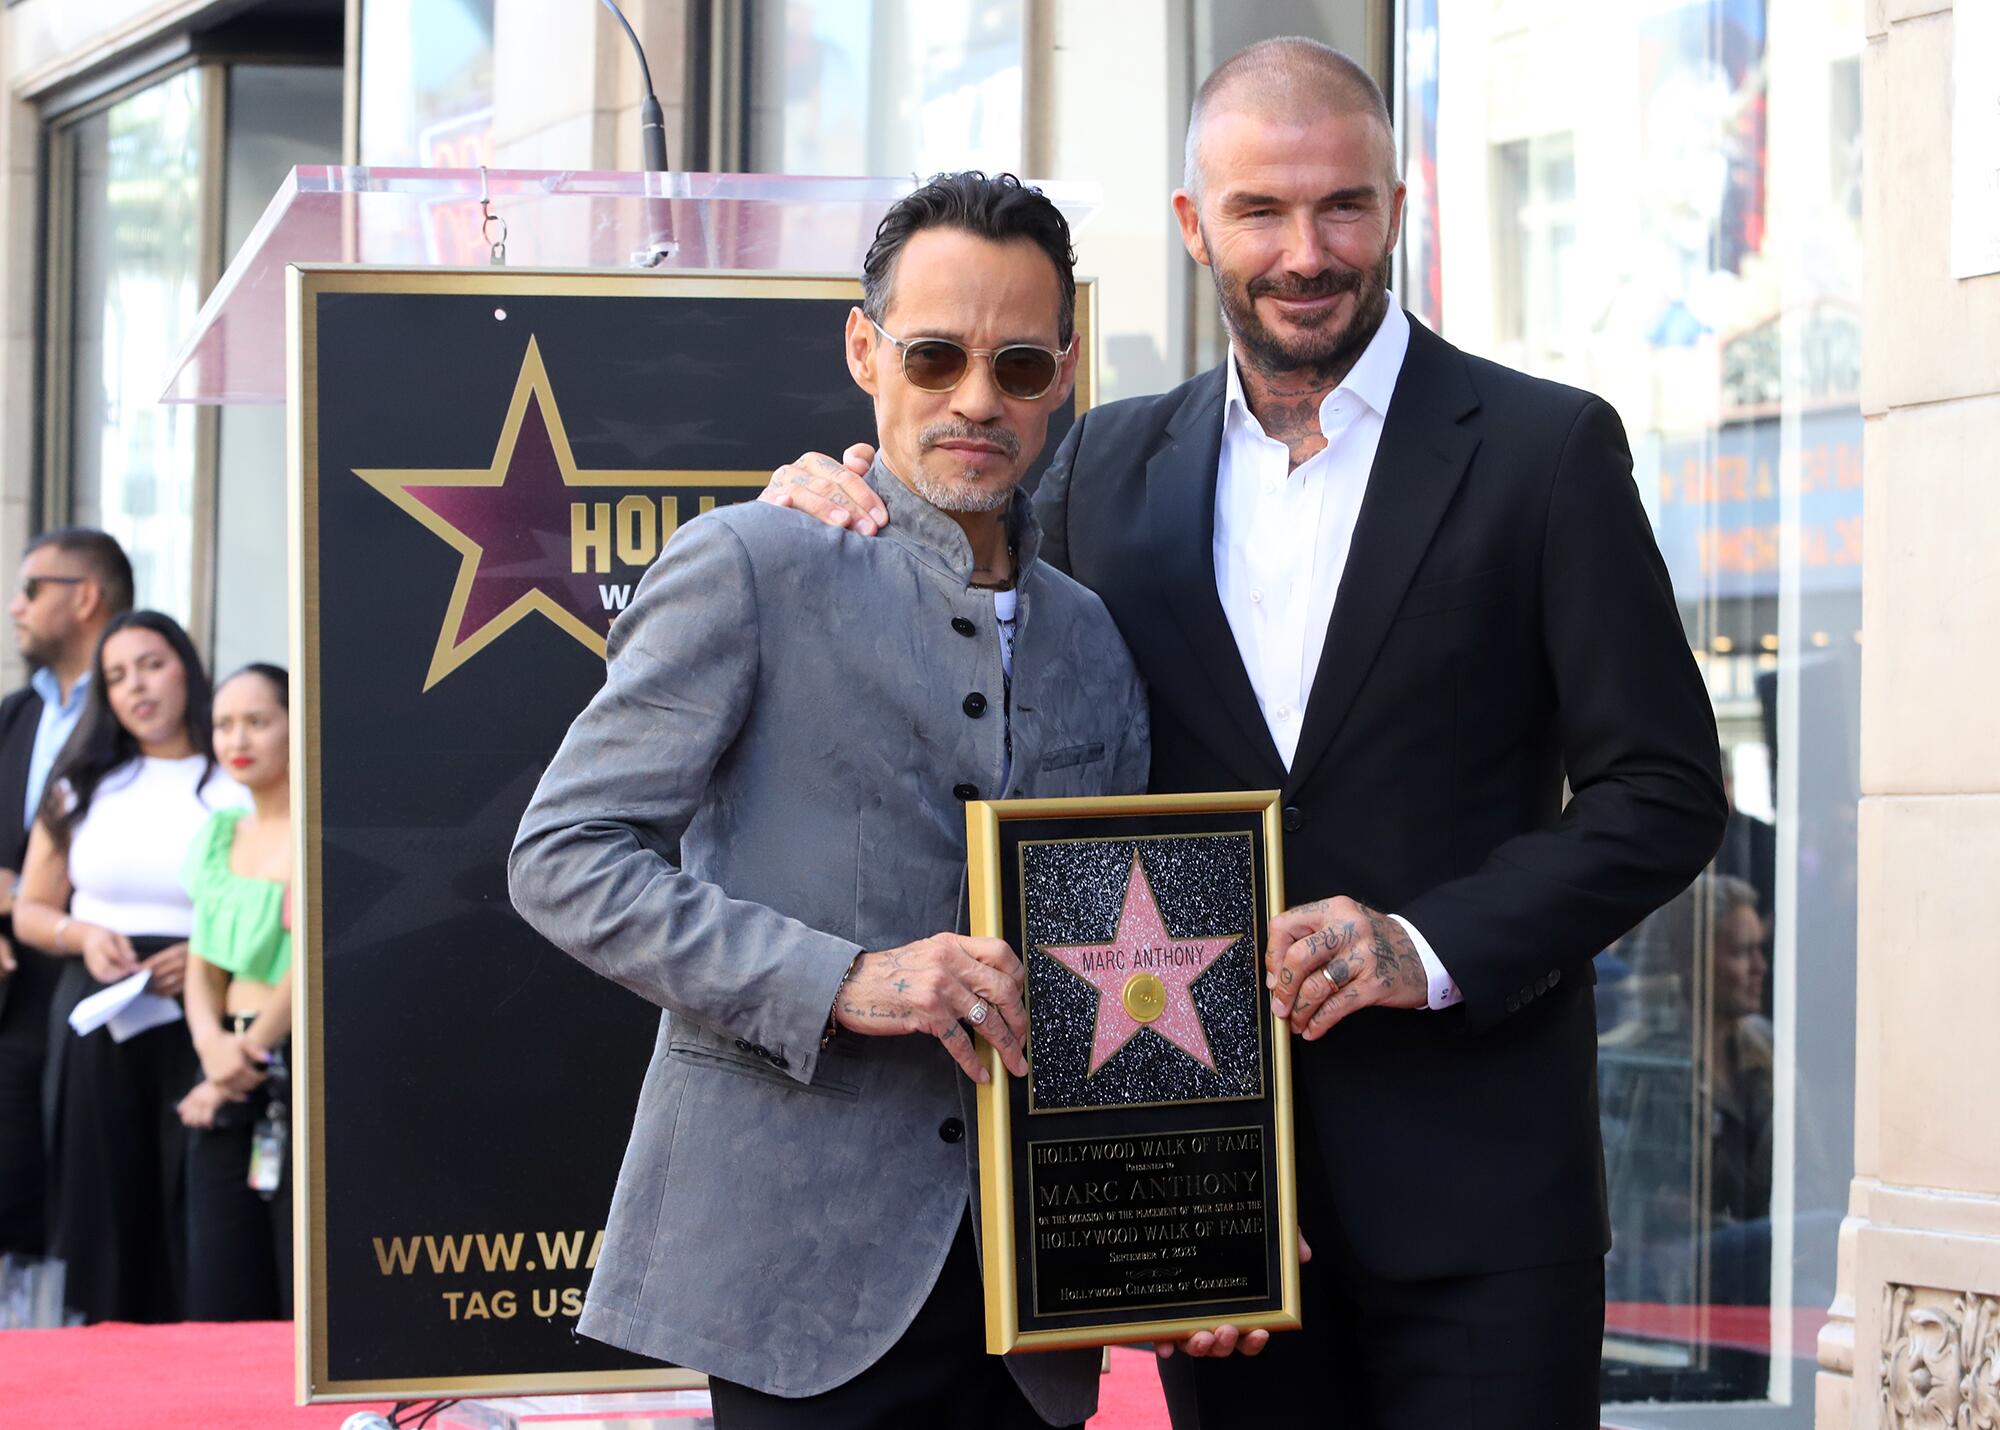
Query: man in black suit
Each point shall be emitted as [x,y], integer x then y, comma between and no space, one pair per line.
[1418,592]
[73,581]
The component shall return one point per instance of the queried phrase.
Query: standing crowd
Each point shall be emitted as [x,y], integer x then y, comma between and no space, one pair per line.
[145,846]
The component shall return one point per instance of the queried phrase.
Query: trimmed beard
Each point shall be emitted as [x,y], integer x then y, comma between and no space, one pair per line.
[1325,355]
[964,495]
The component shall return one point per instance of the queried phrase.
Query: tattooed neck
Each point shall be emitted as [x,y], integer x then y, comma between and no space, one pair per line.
[1286,405]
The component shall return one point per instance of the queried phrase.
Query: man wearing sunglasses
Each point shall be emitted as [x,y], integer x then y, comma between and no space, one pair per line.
[72,582]
[1418,592]
[804,713]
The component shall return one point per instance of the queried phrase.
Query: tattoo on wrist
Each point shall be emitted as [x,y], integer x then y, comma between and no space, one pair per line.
[1396,960]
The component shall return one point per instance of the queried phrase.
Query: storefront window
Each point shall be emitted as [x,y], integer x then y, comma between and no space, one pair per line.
[886,86]
[279,116]
[1660,203]
[135,169]
[427,83]
[426,101]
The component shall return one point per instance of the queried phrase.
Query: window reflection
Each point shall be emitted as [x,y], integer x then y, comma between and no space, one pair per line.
[427,82]
[1684,1023]
[427,101]
[1660,203]
[886,87]
[136,168]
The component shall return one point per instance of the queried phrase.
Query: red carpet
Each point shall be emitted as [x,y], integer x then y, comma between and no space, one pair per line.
[240,1378]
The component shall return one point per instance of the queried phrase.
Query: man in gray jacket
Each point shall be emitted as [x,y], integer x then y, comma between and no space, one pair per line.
[793,1212]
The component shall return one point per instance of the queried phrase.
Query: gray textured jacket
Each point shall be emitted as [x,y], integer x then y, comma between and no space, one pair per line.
[788,702]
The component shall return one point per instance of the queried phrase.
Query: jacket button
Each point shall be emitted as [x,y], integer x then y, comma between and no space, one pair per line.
[951,1129]
[961,625]
[975,705]
[743,1045]
[1555,976]
[966,791]
[1294,818]
[778,1061]
[1513,1003]
[1542,984]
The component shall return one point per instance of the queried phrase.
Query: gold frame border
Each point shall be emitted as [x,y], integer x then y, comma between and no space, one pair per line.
[996,1169]
[303,282]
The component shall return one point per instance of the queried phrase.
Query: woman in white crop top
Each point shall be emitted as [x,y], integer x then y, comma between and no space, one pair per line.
[102,886]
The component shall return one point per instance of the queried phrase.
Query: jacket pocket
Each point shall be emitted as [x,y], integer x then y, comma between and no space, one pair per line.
[1481,588]
[1070,756]
[699,1052]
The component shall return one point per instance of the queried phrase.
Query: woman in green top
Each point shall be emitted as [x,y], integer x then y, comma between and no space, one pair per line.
[239,1012]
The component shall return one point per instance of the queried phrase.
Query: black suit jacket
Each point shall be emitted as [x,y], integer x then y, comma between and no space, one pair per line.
[20,714]
[1504,623]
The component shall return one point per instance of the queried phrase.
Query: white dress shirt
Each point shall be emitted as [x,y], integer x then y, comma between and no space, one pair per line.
[1281,541]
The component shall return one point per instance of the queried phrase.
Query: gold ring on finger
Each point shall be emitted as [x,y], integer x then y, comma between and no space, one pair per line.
[1328,971]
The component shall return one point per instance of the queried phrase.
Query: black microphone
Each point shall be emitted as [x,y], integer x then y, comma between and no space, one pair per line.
[652,124]
[653,140]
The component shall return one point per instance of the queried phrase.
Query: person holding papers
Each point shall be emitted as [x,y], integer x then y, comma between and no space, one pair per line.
[101,888]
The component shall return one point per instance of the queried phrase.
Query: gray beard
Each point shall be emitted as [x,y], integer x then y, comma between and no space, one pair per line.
[966,497]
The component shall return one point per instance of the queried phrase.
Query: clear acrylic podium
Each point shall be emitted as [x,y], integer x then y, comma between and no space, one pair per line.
[451,218]
[547,222]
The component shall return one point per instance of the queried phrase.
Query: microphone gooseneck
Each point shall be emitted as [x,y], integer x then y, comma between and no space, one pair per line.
[652,124]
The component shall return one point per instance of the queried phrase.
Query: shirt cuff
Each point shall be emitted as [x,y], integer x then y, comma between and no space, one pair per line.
[1444,992]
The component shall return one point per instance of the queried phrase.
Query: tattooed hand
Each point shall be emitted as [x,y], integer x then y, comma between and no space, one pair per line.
[1329,958]
[929,986]
[834,492]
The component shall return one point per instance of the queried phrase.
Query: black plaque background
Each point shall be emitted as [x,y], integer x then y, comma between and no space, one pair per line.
[474,1079]
[1134,1121]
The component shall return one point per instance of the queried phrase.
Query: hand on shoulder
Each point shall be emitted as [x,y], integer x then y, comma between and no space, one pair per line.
[834,492]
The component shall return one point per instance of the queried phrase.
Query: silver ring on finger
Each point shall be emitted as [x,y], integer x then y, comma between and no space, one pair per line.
[978,1014]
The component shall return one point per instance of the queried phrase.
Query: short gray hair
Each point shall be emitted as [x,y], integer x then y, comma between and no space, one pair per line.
[1290,74]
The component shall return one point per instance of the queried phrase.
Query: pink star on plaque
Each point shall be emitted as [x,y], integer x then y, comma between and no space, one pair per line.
[1142,977]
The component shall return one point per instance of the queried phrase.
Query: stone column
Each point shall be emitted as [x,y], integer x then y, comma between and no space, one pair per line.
[1915,1339]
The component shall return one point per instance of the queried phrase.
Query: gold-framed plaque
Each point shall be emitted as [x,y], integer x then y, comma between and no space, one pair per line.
[1137,1183]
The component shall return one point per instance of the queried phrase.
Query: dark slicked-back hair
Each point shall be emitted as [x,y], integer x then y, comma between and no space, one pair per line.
[272,675]
[101,553]
[1287,75]
[999,208]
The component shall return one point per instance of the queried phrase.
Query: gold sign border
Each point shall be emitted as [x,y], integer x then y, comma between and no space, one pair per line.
[303,284]
[996,1154]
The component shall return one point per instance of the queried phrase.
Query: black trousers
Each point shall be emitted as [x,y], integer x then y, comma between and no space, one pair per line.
[121,1218]
[938,1374]
[25,997]
[1517,1350]
[239,1242]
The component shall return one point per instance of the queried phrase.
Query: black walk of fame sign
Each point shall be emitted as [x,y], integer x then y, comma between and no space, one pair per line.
[486,463]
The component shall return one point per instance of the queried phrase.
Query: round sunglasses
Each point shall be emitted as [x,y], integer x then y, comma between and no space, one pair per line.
[1021,370]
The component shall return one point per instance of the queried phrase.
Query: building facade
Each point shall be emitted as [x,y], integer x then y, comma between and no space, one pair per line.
[1729,217]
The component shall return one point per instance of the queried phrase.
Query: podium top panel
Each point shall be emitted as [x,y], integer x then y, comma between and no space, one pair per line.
[463,218]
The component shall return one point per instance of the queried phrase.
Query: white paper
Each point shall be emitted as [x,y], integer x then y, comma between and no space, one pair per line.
[1975,139]
[125,1009]
[141,1015]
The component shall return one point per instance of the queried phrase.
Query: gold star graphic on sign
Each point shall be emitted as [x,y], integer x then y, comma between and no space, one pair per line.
[524,525]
